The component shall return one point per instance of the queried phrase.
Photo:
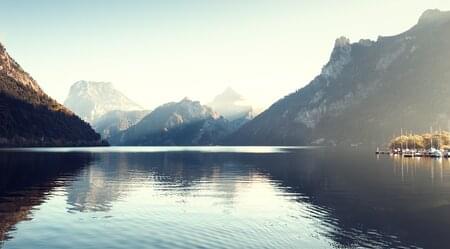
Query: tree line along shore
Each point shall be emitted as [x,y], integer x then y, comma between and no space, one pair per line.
[438,140]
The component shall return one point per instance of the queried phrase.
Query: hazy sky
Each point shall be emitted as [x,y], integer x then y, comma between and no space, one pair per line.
[160,51]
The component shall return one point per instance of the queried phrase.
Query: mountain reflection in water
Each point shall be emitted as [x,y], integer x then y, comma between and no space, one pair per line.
[310,198]
[26,180]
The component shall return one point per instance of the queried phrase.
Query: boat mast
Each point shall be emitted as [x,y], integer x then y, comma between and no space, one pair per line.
[401,139]
[440,138]
[431,137]
[407,142]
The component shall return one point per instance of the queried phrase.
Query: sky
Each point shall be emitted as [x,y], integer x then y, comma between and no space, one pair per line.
[161,51]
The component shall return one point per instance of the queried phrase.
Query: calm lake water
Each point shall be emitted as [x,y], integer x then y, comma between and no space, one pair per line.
[221,197]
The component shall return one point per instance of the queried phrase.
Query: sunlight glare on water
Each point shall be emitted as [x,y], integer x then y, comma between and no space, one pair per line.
[219,197]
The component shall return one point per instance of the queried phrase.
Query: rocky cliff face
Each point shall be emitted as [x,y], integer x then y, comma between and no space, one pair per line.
[29,117]
[91,100]
[366,92]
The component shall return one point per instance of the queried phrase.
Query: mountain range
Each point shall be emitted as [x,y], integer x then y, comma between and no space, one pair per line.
[176,123]
[29,117]
[185,122]
[367,91]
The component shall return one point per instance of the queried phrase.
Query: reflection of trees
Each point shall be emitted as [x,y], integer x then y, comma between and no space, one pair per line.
[366,200]
[26,179]
[354,197]
[360,200]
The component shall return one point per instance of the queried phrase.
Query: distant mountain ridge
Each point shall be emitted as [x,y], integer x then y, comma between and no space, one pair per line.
[113,122]
[91,100]
[29,117]
[162,120]
[366,92]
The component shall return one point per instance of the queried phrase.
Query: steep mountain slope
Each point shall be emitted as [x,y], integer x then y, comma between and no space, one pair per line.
[113,122]
[90,100]
[183,123]
[228,104]
[28,117]
[366,92]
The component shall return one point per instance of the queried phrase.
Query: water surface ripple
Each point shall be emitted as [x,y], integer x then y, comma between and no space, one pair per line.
[221,197]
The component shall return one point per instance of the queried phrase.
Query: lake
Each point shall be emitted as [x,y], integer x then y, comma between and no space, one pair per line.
[221,197]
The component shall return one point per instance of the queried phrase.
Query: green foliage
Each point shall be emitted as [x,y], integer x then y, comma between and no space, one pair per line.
[25,124]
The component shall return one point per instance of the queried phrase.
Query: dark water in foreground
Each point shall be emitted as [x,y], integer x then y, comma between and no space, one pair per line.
[221,198]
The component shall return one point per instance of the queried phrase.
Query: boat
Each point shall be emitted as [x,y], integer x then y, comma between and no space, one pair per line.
[408,153]
[434,153]
[418,154]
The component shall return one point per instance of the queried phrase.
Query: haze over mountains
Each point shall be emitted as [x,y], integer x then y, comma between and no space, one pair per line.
[185,122]
[176,123]
[29,117]
[90,100]
[107,109]
[367,91]
[114,122]
[231,105]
